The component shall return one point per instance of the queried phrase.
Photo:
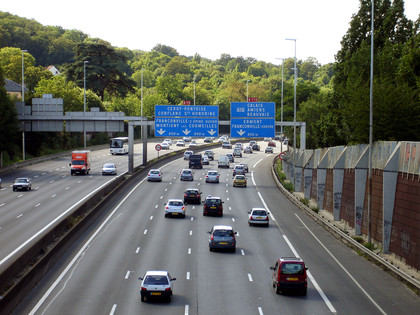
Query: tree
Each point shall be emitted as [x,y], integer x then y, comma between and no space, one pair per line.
[8,120]
[102,72]
[166,50]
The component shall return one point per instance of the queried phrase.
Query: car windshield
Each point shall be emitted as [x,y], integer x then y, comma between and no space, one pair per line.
[109,165]
[292,269]
[259,212]
[21,180]
[78,162]
[175,203]
[223,233]
[158,280]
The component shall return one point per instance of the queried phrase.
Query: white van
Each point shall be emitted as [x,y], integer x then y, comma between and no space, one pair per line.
[223,161]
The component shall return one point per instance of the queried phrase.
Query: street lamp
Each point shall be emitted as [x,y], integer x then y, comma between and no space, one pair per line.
[194,87]
[370,126]
[141,101]
[84,102]
[247,98]
[281,126]
[23,101]
[294,117]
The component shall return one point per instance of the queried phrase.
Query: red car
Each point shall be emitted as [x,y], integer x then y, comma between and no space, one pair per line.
[271,144]
[289,273]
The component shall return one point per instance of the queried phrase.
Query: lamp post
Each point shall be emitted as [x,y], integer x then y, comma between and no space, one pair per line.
[294,116]
[370,125]
[141,102]
[84,102]
[247,98]
[194,87]
[281,127]
[23,101]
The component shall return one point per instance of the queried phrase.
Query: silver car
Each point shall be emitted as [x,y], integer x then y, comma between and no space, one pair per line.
[156,284]
[187,154]
[109,169]
[222,237]
[22,184]
[258,216]
[212,176]
[175,207]
[154,175]
[187,174]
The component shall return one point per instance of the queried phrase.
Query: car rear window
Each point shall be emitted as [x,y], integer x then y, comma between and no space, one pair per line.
[292,269]
[154,172]
[223,233]
[213,201]
[259,212]
[187,172]
[159,280]
[175,203]
[212,173]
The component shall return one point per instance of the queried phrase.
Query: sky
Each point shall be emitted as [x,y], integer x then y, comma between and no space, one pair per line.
[256,29]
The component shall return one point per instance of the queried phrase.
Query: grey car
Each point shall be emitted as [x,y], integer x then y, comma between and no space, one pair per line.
[222,237]
[22,184]
[154,175]
[187,174]
[109,169]
[212,176]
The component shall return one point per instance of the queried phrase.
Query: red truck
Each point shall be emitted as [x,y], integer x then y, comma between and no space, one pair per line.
[80,162]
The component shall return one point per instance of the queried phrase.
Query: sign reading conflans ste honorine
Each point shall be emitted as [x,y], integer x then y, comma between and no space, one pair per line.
[186,111]
[186,120]
[252,127]
[252,119]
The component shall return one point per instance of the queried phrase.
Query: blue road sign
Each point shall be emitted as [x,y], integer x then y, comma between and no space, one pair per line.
[181,127]
[186,111]
[252,127]
[252,110]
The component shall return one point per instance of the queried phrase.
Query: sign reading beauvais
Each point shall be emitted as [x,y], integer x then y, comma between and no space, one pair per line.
[186,120]
[252,110]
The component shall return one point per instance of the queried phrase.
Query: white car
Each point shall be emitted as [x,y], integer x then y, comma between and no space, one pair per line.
[22,183]
[165,145]
[205,159]
[238,170]
[258,216]
[180,143]
[168,141]
[154,175]
[156,284]
[175,207]
[193,143]
[109,169]
[212,176]
[187,154]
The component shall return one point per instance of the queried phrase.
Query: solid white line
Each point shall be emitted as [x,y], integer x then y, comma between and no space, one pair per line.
[344,269]
[266,207]
[317,287]
[114,307]
[257,162]
[127,274]
[249,277]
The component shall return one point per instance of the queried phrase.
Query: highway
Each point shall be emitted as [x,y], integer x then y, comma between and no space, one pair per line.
[26,215]
[99,275]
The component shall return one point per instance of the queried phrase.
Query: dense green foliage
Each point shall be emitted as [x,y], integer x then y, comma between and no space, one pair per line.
[332,99]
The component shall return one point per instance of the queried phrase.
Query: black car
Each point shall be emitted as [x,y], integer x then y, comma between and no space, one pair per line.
[255,147]
[213,205]
[192,195]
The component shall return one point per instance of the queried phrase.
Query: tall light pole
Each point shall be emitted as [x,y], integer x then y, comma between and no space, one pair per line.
[294,116]
[281,127]
[23,101]
[370,125]
[84,102]
[141,101]
[247,98]
[194,87]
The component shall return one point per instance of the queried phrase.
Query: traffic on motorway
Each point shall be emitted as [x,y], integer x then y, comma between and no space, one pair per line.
[232,249]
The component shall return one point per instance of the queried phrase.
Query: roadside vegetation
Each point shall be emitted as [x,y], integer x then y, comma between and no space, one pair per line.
[332,99]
